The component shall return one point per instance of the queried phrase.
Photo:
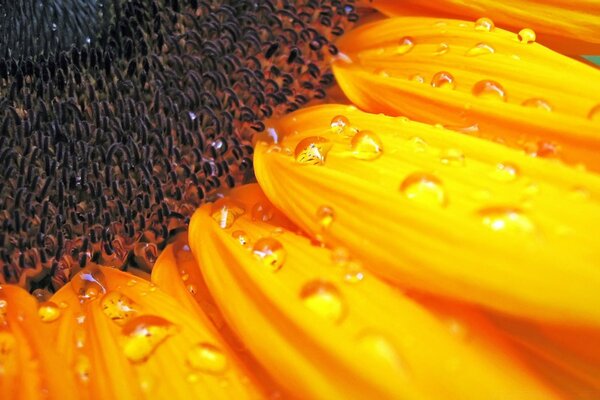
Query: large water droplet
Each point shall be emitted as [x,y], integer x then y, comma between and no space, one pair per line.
[489,90]
[480,49]
[505,172]
[118,307]
[270,252]
[444,80]
[143,335]
[538,103]
[424,188]
[506,219]
[89,283]
[325,216]
[452,157]
[225,213]
[526,36]
[48,311]
[366,145]
[324,299]
[405,45]
[484,25]
[208,358]
[312,150]
[262,211]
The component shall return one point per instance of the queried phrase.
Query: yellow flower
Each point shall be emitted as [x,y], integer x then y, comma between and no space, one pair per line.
[437,243]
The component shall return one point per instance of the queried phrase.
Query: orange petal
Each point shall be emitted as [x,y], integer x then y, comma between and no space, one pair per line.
[478,82]
[124,338]
[325,328]
[30,368]
[578,20]
[443,212]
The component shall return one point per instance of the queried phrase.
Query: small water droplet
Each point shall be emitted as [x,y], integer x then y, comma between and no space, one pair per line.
[405,45]
[325,216]
[424,188]
[418,78]
[489,90]
[270,252]
[366,145]
[48,311]
[208,358]
[594,114]
[484,25]
[526,36]
[192,289]
[225,213]
[452,157]
[241,237]
[418,144]
[442,49]
[63,305]
[324,299]
[580,194]
[312,150]
[353,272]
[457,328]
[82,368]
[41,295]
[379,346]
[444,80]
[262,211]
[143,335]
[537,103]
[506,219]
[132,282]
[54,27]
[505,172]
[340,124]
[480,49]
[118,307]
[89,283]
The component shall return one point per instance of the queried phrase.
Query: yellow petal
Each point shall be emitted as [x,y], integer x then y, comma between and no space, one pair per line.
[486,84]
[124,338]
[577,20]
[325,328]
[444,212]
[30,368]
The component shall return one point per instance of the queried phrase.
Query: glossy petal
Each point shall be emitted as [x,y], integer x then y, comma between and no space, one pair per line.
[326,329]
[478,82]
[127,339]
[444,212]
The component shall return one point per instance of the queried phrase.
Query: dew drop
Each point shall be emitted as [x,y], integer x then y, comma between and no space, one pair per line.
[82,368]
[405,45]
[418,78]
[453,157]
[208,358]
[366,145]
[442,49]
[487,89]
[484,25]
[241,237]
[418,144]
[480,49]
[425,189]
[505,172]
[48,311]
[324,299]
[353,272]
[270,252]
[325,216]
[118,307]
[340,124]
[143,335]
[506,219]
[312,150]
[225,213]
[380,347]
[594,114]
[262,211]
[89,283]
[192,289]
[526,36]
[443,79]
[537,103]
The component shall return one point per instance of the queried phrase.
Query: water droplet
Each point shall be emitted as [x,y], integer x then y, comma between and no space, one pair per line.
[89,283]
[340,124]
[192,289]
[241,237]
[480,49]
[380,347]
[418,78]
[366,145]
[506,219]
[48,311]
[489,90]
[580,194]
[54,27]
[443,79]
[225,213]
[63,305]
[325,216]
[418,144]
[312,150]
[270,252]
[208,358]
[526,36]
[118,307]
[145,255]
[132,282]
[41,295]
[505,172]
[452,157]
[405,45]
[442,49]
[353,272]
[324,299]
[457,328]
[424,188]
[262,211]
[82,368]
[143,335]
[484,25]
[537,103]
[594,114]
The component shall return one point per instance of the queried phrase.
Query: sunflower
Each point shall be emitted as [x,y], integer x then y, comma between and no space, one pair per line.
[427,231]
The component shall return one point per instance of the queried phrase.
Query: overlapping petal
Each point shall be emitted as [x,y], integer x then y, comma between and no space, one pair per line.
[485,83]
[326,329]
[443,212]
